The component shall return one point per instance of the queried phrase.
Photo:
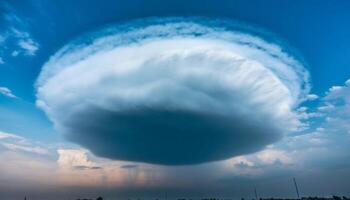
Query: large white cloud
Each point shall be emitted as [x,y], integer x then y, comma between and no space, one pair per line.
[173,91]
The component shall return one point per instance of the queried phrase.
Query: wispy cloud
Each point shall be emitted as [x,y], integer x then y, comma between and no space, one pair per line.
[29,46]
[2,40]
[15,38]
[7,92]
[15,143]
[25,42]
[31,149]
[5,135]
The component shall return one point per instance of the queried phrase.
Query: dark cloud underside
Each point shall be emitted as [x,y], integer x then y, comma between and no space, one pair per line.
[170,137]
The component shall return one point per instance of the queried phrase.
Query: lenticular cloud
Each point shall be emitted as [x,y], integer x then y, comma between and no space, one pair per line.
[173,91]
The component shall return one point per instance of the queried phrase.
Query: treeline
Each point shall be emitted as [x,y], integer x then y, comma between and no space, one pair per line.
[98,198]
[303,198]
[311,198]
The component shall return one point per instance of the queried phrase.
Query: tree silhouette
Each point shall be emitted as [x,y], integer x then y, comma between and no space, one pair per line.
[336,198]
[99,198]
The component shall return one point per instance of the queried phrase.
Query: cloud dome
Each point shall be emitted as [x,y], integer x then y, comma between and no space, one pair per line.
[173,91]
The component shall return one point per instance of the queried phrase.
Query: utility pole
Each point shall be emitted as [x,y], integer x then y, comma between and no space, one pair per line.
[256,194]
[296,187]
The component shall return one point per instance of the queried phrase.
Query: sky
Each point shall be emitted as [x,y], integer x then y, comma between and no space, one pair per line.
[142,99]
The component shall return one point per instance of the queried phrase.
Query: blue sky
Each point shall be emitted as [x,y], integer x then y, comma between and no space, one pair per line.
[314,35]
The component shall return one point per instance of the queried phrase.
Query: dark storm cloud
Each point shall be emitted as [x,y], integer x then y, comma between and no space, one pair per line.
[170,137]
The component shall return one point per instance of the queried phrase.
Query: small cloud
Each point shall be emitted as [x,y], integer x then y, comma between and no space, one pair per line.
[312,97]
[347,83]
[2,39]
[335,88]
[82,167]
[327,107]
[74,159]
[14,53]
[271,156]
[129,166]
[1,61]
[29,46]
[320,129]
[241,161]
[7,92]
[338,94]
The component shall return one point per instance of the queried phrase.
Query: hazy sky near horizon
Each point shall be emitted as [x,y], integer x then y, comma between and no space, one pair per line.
[190,98]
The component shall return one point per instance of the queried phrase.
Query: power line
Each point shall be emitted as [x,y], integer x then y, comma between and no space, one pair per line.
[256,194]
[296,187]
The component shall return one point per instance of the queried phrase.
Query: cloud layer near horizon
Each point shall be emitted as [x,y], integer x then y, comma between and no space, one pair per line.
[172,91]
